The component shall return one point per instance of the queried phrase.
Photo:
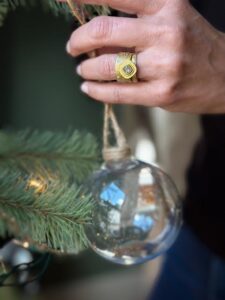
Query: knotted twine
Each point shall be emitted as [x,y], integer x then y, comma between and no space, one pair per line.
[121,149]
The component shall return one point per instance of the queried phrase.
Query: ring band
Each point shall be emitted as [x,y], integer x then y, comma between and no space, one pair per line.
[126,67]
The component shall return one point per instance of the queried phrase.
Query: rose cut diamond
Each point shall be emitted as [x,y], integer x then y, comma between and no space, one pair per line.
[128,69]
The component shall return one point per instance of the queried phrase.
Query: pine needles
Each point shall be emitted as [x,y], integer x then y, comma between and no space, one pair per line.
[53,219]
[54,6]
[42,199]
[72,151]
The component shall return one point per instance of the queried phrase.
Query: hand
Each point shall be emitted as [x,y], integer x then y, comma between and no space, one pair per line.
[180,56]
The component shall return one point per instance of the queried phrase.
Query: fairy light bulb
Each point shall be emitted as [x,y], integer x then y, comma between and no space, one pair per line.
[37,184]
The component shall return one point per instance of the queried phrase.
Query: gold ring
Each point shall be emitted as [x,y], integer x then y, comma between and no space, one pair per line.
[126,67]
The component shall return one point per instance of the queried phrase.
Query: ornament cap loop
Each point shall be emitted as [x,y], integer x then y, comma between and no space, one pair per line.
[116,153]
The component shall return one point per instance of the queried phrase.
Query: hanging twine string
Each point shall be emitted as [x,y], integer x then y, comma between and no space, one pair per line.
[76,11]
[121,149]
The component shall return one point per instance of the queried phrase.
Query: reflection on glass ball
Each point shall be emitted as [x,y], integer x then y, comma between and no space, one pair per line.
[137,212]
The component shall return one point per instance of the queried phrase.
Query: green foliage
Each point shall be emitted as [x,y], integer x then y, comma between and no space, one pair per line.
[54,6]
[54,218]
[42,199]
[70,152]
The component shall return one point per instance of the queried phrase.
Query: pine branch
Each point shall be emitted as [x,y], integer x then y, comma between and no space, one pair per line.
[41,198]
[72,154]
[54,6]
[53,217]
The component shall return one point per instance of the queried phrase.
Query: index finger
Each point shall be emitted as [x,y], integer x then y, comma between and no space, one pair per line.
[128,6]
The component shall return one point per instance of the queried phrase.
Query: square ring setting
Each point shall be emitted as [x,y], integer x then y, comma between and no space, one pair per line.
[127,69]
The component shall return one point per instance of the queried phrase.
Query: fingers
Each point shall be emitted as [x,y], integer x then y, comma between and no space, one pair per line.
[141,93]
[108,32]
[128,6]
[102,68]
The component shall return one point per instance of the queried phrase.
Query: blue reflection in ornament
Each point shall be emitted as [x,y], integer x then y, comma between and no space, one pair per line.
[145,223]
[113,195]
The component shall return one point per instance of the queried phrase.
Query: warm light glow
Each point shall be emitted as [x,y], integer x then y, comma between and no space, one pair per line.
[38,185]
[26,245]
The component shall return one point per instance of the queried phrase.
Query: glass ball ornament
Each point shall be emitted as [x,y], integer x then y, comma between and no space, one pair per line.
[137,212]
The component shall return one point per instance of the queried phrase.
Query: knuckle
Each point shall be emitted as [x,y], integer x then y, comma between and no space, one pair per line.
[168,95]
[177,35]
[177,66]
[101,27]
[174,65]
[106,67]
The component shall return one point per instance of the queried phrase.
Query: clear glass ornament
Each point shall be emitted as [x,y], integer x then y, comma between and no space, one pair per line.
[137,212]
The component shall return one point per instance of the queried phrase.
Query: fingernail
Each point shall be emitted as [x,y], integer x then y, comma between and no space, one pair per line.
[84,87]
[68,49]
[78,70]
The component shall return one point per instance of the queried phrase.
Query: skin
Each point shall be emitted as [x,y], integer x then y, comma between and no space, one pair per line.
[180,56]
